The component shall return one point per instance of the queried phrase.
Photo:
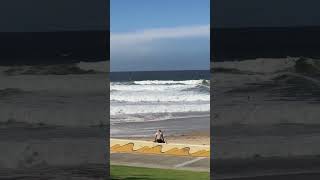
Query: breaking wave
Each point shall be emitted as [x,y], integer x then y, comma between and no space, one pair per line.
[157,99]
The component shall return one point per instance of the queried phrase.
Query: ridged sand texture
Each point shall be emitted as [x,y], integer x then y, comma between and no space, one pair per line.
[146,147]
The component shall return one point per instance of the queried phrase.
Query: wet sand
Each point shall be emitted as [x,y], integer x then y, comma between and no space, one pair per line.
[177,128]
[197,138]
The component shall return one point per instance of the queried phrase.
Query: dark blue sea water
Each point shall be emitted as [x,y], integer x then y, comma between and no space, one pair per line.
[160,75]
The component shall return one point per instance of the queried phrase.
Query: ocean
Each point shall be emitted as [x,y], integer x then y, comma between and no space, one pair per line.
[48,112]
[137,97]
[266,107]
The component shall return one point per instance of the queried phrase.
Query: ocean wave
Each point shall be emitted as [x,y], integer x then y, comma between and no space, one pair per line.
[54,69]
[154,100]
[157,85]
[199,88]
[10,123]
[295,80]
[301,65]
[288,86]
[151,87]
[141,96]
[231,71]
[297,86]
[172,82]
[11,92]
[153,117]
[129,109]
[307,66]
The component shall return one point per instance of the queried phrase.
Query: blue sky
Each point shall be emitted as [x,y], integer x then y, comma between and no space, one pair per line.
[151,35]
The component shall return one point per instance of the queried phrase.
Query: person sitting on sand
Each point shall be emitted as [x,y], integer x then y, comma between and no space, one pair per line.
[159,137]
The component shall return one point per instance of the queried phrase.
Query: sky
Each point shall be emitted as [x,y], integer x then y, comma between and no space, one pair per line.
[265,13]
[159,35]
[53,15]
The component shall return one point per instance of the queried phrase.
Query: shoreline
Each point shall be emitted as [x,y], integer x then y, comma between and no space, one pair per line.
[194,137]
[178,128]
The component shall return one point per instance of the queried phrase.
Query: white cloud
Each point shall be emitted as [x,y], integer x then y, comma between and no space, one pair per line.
[141,50]
[149,35]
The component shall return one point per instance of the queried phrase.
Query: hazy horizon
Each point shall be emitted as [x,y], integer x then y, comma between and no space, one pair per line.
[144,38]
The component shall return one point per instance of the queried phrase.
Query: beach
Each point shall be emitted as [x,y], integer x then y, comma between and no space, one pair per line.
[193,138]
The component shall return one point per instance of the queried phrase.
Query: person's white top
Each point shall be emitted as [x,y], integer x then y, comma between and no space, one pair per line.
[158,135]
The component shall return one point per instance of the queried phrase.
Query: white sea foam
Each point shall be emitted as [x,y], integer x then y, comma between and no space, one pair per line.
[158,96]
[157,100]
[159,108]
[186,82]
